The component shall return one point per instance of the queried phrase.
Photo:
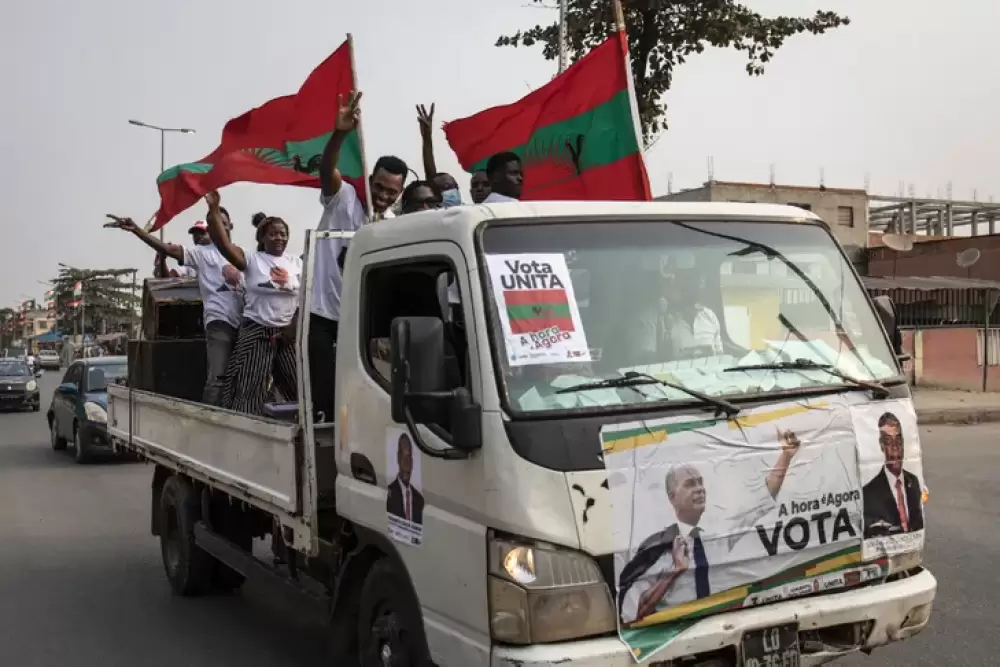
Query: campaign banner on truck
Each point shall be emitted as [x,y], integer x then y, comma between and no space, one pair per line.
[892,477]
[713,514]
[538,309]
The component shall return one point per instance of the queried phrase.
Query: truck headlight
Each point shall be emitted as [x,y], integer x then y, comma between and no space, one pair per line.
[540,594]
[31,386]
[95,412]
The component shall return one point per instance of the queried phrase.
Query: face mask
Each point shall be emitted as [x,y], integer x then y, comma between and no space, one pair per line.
[451,198]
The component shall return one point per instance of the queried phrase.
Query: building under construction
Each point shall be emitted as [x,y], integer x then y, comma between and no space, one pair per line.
[932,217]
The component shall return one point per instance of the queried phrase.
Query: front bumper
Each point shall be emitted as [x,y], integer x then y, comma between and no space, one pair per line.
[95,435]
[18,400]
[899,610]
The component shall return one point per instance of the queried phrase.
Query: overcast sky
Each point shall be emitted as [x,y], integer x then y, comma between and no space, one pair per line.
[907,93]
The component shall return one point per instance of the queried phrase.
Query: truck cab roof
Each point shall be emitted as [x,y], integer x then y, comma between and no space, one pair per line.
[458,222]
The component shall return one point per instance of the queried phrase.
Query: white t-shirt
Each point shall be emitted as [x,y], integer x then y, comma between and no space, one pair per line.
[222,301]
[186,272]
[497,198]
[270,303]
[341,212]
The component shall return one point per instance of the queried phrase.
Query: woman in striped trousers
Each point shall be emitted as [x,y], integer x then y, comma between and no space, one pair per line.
[264,347]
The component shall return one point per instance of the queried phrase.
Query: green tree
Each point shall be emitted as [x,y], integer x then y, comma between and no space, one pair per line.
[108,300]
[663,34]
[7,317]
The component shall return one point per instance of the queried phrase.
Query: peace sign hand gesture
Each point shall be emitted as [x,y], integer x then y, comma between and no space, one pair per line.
[426,119]
[348,115]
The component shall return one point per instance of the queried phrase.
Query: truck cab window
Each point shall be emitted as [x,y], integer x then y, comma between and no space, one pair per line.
[419,289]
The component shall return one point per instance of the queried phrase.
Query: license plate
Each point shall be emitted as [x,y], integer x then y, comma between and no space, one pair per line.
[777,646]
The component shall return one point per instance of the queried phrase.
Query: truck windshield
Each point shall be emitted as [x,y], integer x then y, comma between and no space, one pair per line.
[728,309]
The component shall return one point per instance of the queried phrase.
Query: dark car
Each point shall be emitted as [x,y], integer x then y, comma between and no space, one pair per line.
[18,386]
[79,410]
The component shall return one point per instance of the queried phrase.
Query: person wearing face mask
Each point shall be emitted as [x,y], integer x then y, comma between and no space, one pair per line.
[264,346]
[342,211]
[446,184]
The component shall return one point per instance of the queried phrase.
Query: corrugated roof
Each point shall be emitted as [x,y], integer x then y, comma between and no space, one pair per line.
[928,283]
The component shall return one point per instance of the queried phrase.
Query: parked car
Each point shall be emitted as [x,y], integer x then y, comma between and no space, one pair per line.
[48,360]
[79,410]
[18,386]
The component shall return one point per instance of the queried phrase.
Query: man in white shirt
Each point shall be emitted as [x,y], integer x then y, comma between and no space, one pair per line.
[674,566]
[693,329]
[343,210]
[506,178]
[221,296]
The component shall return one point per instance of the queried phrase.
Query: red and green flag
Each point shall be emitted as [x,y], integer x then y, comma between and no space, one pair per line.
[280,142]
[78,288]
[576,136]
[531,311]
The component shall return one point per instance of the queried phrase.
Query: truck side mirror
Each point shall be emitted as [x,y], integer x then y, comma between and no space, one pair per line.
[418,387]
[886,310]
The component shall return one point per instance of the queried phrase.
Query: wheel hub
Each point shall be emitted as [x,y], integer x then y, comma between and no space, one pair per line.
[389,641]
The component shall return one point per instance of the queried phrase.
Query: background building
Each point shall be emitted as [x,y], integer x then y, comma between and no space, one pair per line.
[844,210]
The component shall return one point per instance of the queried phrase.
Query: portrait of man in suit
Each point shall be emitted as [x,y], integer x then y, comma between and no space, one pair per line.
[892,498]
[404,500]
[674,565]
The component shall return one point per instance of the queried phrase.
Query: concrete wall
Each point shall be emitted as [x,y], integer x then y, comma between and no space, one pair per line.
[824,202]
[950,358]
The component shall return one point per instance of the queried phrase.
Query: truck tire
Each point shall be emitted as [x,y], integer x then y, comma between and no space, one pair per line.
[390,627]
[81,451]
[58,442]
[188,568]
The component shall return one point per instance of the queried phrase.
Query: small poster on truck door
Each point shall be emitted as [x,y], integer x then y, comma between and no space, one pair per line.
[538,309]
[713,514]
[893,491]
[404,502]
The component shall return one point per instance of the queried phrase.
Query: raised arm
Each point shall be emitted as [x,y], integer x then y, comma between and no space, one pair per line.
[167,249]
[217,232]
[426,120]
[789,446]
[347,119]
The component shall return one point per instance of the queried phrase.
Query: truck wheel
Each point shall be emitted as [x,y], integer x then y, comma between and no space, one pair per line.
[80,450]
[389,627]
[58,442]
[188,568]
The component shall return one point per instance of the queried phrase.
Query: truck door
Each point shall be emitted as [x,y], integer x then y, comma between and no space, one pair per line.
[431,509]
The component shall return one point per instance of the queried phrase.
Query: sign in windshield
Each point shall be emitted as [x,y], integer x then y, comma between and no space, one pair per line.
[722,308]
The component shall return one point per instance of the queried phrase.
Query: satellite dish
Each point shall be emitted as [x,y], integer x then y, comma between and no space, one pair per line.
[968,257]
[898,242]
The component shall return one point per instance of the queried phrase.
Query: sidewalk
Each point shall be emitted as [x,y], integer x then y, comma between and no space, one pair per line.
[945,406]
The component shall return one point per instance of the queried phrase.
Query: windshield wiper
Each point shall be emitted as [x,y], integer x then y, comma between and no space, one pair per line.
[878,389]
[633,379]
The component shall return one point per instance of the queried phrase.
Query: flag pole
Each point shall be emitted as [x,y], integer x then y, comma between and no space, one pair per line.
[361,134]
[633,103]
[623,36]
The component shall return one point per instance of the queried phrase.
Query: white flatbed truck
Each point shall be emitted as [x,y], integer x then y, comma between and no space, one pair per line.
[510,559]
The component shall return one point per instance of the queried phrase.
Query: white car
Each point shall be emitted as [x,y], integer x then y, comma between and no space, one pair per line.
[48,360]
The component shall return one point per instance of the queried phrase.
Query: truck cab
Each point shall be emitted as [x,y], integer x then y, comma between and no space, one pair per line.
[512,441]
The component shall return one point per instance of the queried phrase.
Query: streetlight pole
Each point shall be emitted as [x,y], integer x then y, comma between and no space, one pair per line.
[163,143]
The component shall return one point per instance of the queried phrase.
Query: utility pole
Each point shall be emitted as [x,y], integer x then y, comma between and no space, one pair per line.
[562,35]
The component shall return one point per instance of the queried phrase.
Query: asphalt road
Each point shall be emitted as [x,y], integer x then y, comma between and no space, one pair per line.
[81,582]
